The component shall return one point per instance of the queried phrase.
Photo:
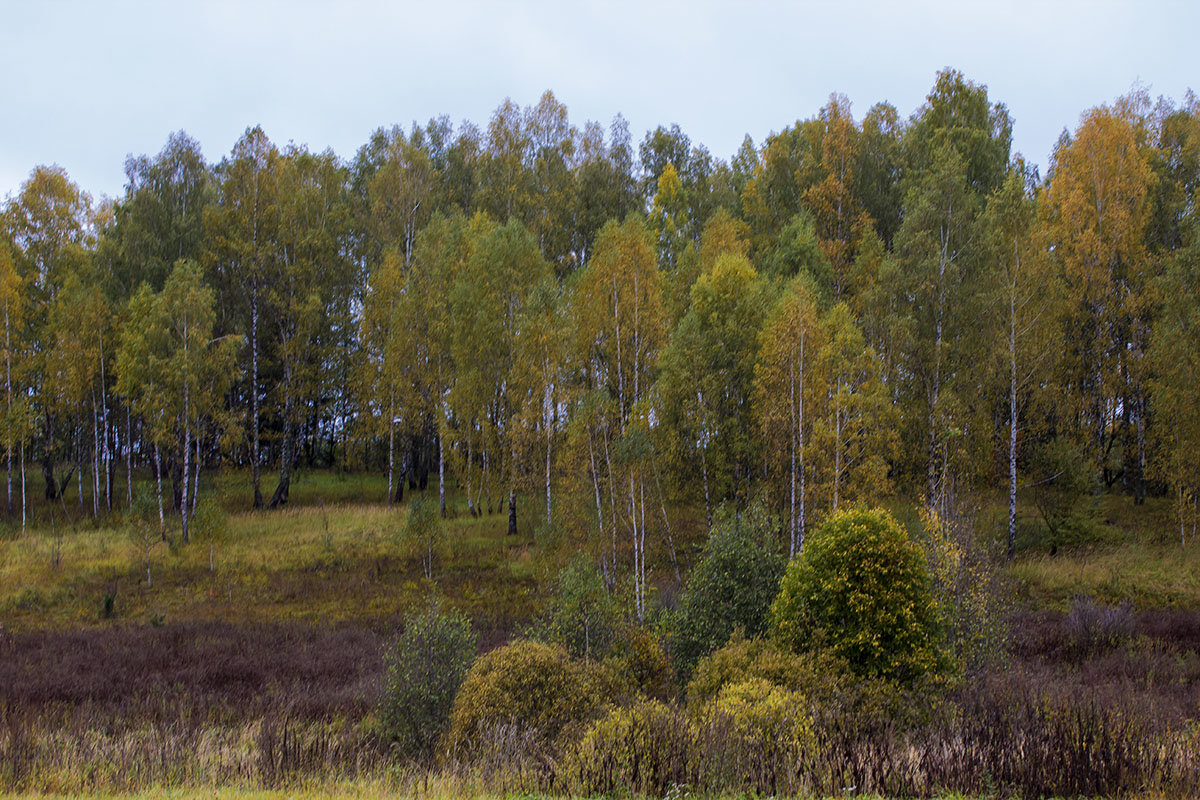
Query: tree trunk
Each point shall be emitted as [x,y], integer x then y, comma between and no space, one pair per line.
[254,456]
[1012,435]
[129,457]
[23,504]
[391,446]
[549,442]
[441,475]
[512,512]
[280,496]
[162,524]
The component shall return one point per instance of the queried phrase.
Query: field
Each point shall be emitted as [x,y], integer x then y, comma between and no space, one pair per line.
[250,664]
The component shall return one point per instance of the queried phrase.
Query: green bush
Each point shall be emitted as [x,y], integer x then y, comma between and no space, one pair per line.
[645,750]
[641,663]
[861,587]
[753,732]
[732,586]
[583,617]
[534,686]
[426,665]
[814,675]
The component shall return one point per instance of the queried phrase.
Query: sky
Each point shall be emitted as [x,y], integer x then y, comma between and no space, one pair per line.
[84,84]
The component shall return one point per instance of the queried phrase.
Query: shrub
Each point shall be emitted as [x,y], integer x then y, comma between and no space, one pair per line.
[645,750]
[862,588]
[642,664]
[531,685]
[425,667]
[966,585]
[754,731]
[732,586]
[1093,626]
[583,617]
[742,659]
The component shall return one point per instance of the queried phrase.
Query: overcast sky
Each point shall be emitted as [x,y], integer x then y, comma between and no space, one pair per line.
[83,84]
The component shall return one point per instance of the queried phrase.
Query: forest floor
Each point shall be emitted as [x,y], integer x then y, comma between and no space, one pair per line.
[285,615]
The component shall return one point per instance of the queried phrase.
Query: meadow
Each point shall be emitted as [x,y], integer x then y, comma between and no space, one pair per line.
[252,663]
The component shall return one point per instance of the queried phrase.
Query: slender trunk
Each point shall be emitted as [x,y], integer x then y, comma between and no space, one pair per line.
[162,524]
[391,445]
[637,567]
[549,444]
[470,496]
[95,457]
[1012,430]
[23,505]
[441,473]
[108,479]
[1139,497]
[187,463]
[254,456]
[129,457]
[662,504]
[642,543]
[280,495]
[196,475]
[612,501]
[512,512]
[79,467]
[599,509]
[793,518]
[707,497]
[837,443]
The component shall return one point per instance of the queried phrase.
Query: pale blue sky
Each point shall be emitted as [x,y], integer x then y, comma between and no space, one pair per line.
[85,83]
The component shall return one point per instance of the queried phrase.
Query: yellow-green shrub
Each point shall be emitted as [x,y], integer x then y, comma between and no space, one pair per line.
[755,736]
[645,750]
[814,675]
[640,662]
[531,685]
[862,588]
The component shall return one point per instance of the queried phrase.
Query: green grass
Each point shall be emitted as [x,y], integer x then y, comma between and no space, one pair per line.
[334,555]
[330,556]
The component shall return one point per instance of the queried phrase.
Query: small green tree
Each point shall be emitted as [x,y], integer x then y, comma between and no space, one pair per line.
[424,534]
[583,617]
[862,588]
[732,586]
[425,667]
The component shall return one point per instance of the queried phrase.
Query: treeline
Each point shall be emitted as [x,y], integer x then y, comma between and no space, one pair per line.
[852,308]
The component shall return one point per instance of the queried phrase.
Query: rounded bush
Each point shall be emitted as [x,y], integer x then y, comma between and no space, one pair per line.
[536,687]
[425,667]
[732,586]
[861,588]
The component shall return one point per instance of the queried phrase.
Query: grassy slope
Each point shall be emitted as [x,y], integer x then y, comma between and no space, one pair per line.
[335,555]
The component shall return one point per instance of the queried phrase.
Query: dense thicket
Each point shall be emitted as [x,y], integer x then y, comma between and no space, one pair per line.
[540,311]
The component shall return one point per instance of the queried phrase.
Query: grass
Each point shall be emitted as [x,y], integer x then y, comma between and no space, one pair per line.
[331,556]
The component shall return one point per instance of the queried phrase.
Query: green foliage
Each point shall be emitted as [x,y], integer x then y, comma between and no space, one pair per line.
[758,722]
[1064,493]
[645,749]
[583,617]
[761,659]
[423,534]
[536,687]
[967,587]
[639,659]
[732,586]
[426,665]
[862,588]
